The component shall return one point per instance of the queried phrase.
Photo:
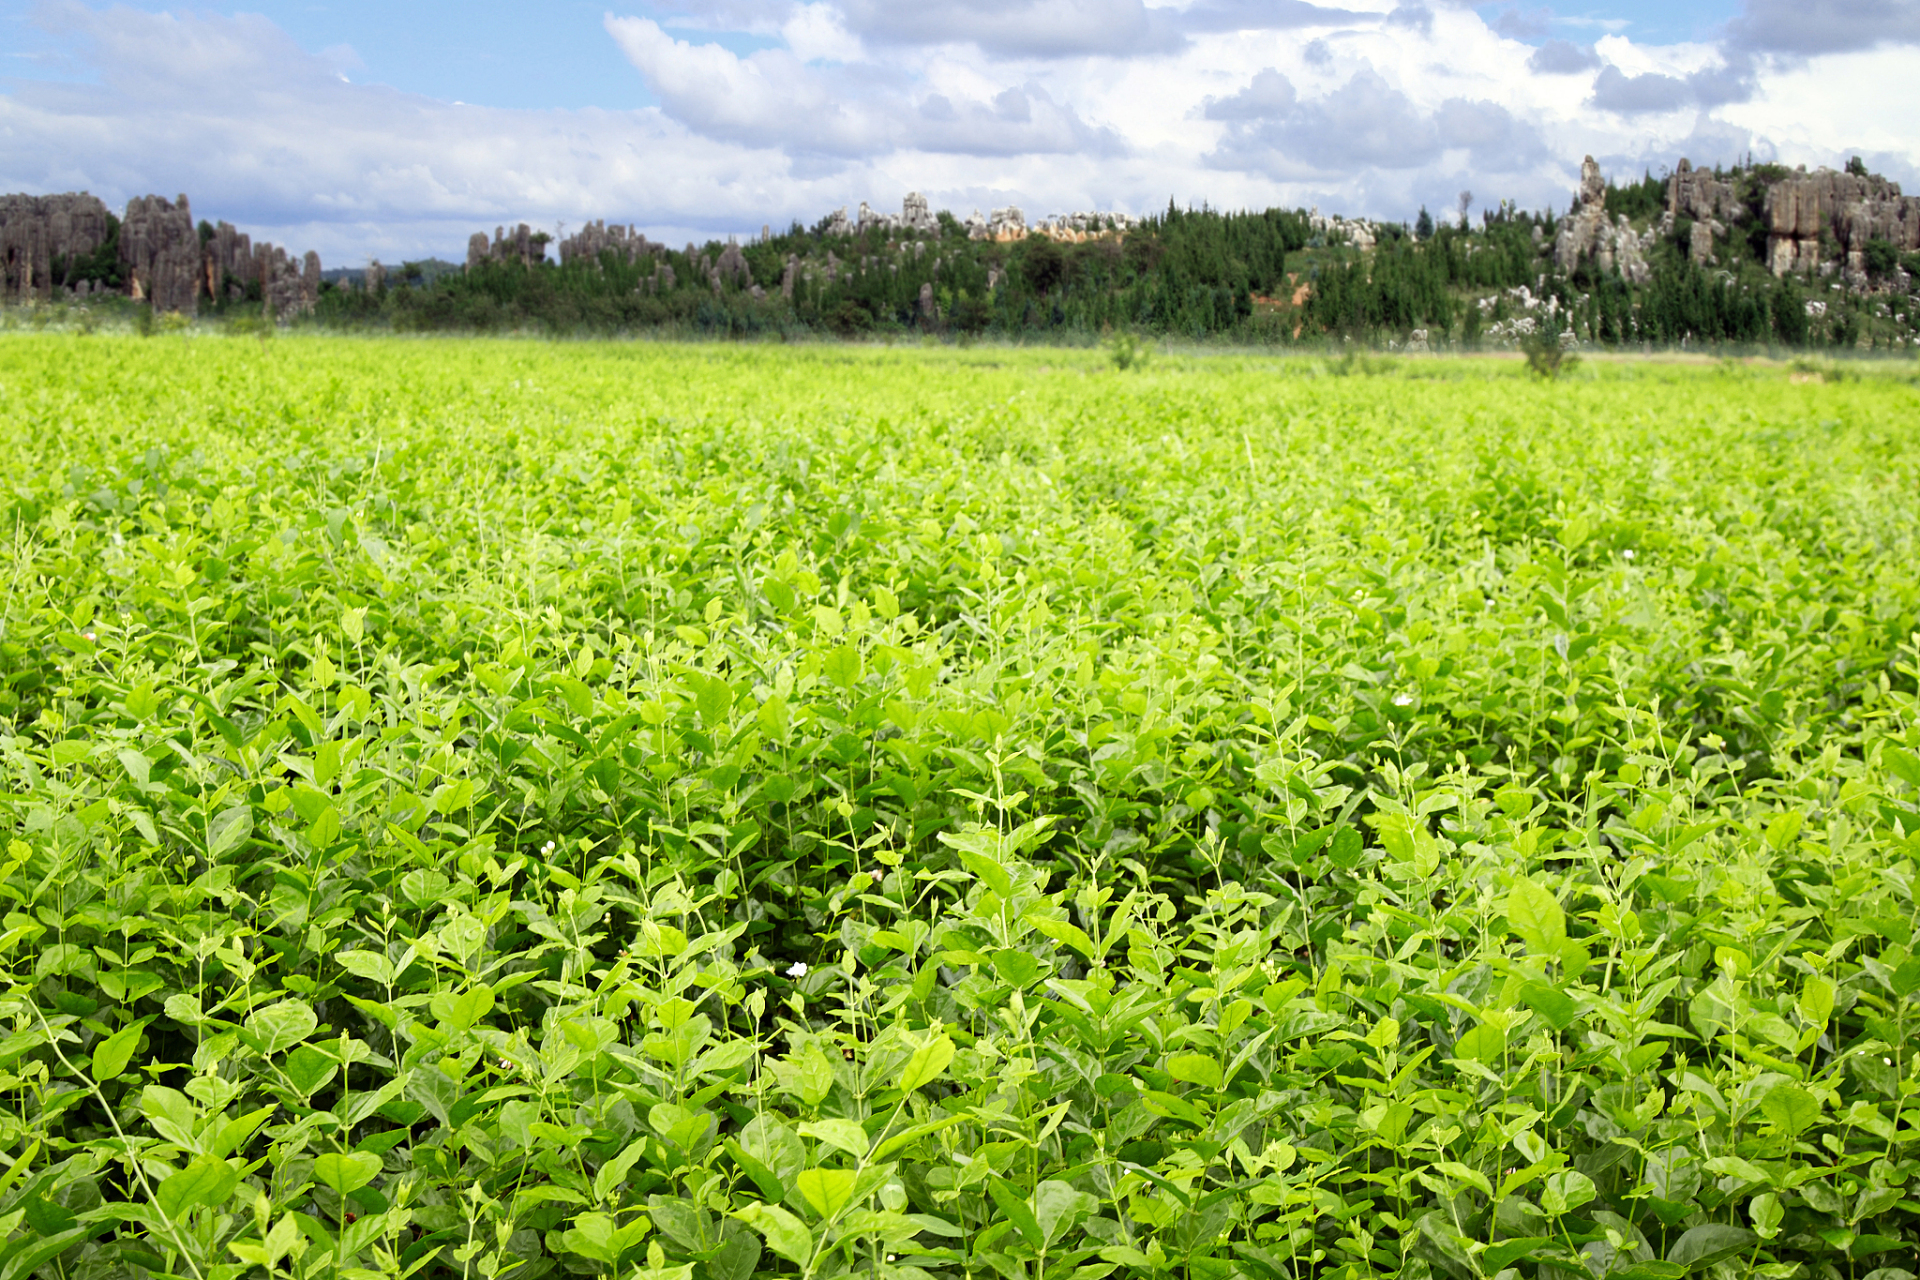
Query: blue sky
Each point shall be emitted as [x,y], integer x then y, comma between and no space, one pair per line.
[395,130]
[492,55]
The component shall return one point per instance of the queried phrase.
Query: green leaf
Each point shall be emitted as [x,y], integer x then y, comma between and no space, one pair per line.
[308,1070]
[1767,1215]
[1790,1107]
[599,1238]
[345,1173]
[28,1257]
[1015,967]
[206,1180]
[1705,1245]
[764,1178]
[227,829]
[1904,764]
[927,1062]
[987,868]
[281,1026]
[47,1217]
[611,1174]
[1507,1252]
[1195,1068]
[843,1134]
[1058,1207]
[1345,849]
[366,964]
[1535,916]
[1816,1001]
[1061,931]
[1472,1177]
[1555,1007]
[785,1234]
[737,1257]
[1566,1190]
[1483,1043]
[459,1012]
[1018,1212]
[827,1190]
[844,666]
[111,1055]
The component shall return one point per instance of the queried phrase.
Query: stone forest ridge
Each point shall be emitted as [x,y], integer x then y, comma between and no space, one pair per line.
[1747,253]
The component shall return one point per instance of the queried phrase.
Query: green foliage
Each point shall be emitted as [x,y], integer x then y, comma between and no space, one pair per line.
[515,810]
[1546,357]
[1127,351]
[1638,201]
[1881,258]
[100,268]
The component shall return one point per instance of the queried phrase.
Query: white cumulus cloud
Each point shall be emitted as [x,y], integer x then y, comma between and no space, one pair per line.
[1372,107]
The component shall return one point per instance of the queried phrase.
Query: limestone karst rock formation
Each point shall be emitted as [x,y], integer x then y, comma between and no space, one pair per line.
[162,258]
[731,268]
[160,251]
[1587,236]
[916,216]
[1848,208]
[523,245]
[1703,196]
[227,263]
[38,232]
[594,239]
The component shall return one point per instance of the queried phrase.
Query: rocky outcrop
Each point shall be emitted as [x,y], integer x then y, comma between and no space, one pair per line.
[157,252]
[1848,209]
[1700,241]
[523,245]
[38,233]
[1588,237]
[227,263]
[916,217]
[1358,232]
[289,288]
[160,252]
[731,268]
[593,240]
[1003,224]
[1702,195]
[232,268]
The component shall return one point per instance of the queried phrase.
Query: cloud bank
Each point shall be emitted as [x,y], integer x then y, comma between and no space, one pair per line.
[1050,104]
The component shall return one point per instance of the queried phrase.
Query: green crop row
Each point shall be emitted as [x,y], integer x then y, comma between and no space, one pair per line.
[690,814]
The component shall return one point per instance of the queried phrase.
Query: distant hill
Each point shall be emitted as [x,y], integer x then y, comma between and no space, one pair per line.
[1749,255]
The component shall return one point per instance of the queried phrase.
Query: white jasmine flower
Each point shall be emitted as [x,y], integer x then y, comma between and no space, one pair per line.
[1402,699]
[546,850]
[1628,553]
[876,876]
[798,969]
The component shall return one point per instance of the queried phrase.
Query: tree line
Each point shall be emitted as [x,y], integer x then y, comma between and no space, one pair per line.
[1195,274]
